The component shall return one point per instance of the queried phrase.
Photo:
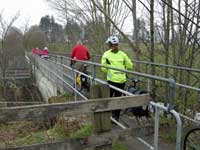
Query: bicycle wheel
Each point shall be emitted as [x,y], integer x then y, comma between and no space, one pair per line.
[191,139]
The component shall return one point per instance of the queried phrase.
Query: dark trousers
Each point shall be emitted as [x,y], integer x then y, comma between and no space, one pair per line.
[115,93]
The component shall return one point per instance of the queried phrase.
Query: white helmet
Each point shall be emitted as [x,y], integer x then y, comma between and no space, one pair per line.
[114,40]
[46,48]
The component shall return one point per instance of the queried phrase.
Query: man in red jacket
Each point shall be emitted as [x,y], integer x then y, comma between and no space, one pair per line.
[79,52]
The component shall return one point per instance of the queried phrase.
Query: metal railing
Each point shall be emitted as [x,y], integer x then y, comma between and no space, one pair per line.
[147,63]
[64,61]
[171,83]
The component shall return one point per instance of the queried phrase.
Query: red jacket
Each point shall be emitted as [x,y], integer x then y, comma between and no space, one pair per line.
[45,52]
[80,52]
[33,51]
[37,51]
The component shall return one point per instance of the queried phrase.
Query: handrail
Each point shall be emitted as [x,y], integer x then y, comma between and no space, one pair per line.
[156,105]
[178,128]
[135,73]
[148,63]
[168,66]
[171,82]
[162,65]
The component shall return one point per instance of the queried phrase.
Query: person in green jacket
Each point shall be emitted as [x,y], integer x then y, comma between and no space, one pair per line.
[115,58]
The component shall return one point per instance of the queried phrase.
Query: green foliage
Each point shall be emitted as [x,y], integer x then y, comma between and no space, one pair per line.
[60,47]
[33,138]
[57,133]
[67,95]
[169,135]
[168,129]
[85,131]
[34,38]
[118,146]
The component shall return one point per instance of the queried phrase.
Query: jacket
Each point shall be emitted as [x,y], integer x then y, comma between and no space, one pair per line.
[80,52]
[116,60]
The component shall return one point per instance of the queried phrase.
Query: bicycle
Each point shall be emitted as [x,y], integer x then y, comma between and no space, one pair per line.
[138,112]
[191,138]
[82,80]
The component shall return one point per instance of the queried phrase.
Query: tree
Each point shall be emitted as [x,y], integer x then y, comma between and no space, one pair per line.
[5,27]
[35,38]
[14,48]
[112,21]
[52,30]
[86,12]
[73,30]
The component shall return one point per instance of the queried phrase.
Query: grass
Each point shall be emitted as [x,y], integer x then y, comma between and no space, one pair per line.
[118,146]
[167,129]
[24,133]
[55,134]
[85,131]
[61,98]
[33,138]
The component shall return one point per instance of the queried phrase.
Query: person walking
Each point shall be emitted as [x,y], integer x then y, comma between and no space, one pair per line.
[116,58]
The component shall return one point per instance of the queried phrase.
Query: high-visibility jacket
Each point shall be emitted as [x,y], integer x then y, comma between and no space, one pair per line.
[116,60]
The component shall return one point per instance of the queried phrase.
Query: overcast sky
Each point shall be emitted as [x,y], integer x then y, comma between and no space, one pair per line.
[31,10]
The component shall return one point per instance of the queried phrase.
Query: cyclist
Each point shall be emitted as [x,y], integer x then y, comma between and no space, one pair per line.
[79,52]
[45,53]
[115,58]
[38,51]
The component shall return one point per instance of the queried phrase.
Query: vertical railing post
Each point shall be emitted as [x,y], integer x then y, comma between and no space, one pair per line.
[178,129]
[34,69]
[172,85]
[198,94]
[156,128]
[61,59]
[148,80]
[75,86]
[56,59]
[94,73]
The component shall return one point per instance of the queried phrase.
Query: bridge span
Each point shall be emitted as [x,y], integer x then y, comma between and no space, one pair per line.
[54,76]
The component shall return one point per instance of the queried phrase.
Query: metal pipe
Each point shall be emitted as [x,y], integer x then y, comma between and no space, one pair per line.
[178,130]
[188,87]
[74,79]
[145,143]
[118,123]
[178,121]
[99,81]
[141,74]
[168,66]
[172,85]
[151,63]
[158,106]
[126,71]
[94,72]
[156,128]
[188,118]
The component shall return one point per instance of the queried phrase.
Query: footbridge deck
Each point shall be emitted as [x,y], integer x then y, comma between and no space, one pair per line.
[57,70]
